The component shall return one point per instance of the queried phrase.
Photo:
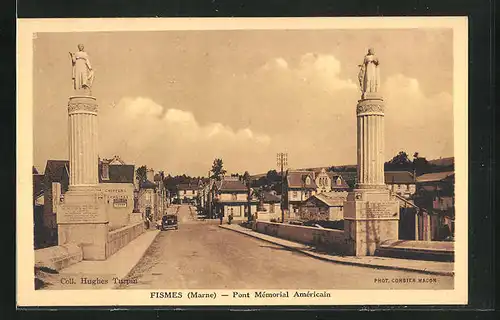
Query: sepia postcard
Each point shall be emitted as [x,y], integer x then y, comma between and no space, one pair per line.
[242,162]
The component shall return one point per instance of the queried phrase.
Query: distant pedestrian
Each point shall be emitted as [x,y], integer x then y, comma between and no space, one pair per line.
[230,218]
[220,218]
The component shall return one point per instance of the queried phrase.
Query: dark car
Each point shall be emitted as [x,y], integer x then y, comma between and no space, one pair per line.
[169,222]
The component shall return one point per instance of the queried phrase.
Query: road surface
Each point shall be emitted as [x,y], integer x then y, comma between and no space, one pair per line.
[200,255]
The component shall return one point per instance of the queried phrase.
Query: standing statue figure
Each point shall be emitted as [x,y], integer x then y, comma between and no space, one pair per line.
[369,76]
[83,74]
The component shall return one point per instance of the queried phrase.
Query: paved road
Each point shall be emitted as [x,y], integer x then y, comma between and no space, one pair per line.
[200,255]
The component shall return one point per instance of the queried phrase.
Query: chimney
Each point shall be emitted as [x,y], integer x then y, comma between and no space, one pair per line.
[150,173]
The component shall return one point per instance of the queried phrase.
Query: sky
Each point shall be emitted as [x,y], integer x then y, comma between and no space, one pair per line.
[176,100]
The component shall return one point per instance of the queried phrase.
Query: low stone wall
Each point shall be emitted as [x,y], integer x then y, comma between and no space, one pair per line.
[267,216]
[119,238]
[420,250]
[58,257]
[324,239]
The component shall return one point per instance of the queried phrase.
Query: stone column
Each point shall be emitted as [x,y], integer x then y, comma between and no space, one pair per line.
[82,218]
[371,214]
[82,125]
[370,133]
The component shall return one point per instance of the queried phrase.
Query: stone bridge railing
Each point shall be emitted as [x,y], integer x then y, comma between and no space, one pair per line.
[119,238]
[326,239]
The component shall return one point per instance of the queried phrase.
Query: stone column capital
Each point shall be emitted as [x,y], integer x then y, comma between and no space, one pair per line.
[370,107]
[82,104]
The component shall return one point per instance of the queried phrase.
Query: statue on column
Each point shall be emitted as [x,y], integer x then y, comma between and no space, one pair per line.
[83,74]
[369,75]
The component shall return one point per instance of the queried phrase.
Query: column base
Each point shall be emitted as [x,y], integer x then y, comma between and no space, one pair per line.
[371,216]
[82,219]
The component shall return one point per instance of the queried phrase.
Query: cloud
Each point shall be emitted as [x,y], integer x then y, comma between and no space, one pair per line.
[312,69]
[416,121]
[325,70]
[144,132]
[305,108]
[275,64]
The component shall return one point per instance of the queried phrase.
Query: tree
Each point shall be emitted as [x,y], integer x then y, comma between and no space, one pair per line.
[399,162]
[400,159]
[217,169]
[245,177]
[272,176]
[421,165]
[140,174]
[167,181]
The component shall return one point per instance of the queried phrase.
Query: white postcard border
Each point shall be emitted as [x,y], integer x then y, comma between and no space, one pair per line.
[27,296]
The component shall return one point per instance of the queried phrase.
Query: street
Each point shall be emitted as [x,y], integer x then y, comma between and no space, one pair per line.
[200,255]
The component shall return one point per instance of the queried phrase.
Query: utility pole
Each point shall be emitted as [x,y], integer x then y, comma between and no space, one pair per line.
[249,200]
[209,197]
[282,161]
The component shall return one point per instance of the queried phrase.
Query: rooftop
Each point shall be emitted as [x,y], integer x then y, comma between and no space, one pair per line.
[331,198]
[435,177]
[187,186]
[37,184]
[148,185]
[270,197]
[118,173]
[231,185]
[298,179]
[443,161]
[399,177]
[55,170]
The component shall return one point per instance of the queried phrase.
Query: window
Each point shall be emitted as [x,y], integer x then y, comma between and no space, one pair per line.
[271,208]
[105,171]
[339,181]
[308,180]
[294,194]
[234,197]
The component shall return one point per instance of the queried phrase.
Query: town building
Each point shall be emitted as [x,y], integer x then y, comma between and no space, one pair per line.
[55,184]
[329,181]
[204,185]
[208,197]
[324,206]
[116,180]
[414,222]
[299,186]
[161,193]
[402,183]
[436,194]
[38,204]
[268,206]
[148,199]
[271,202]
[231,198]
[187,192]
